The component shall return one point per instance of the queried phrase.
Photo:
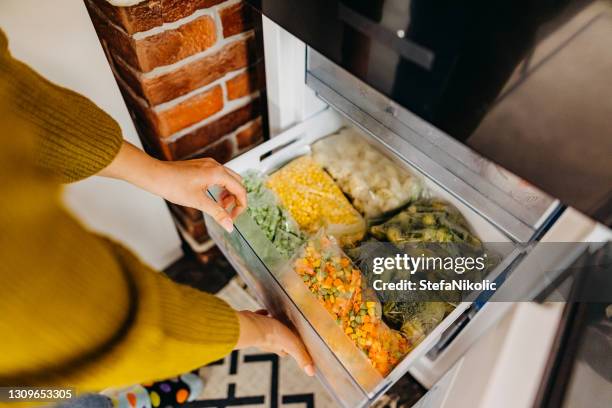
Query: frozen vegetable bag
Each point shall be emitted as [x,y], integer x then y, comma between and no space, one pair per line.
[315,201]
[375,184]
[335,281]
[273,220]
[427,220]
[436,228]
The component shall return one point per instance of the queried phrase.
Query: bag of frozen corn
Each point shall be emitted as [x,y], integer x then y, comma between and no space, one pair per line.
[333,279]
[375,184]
[315,201]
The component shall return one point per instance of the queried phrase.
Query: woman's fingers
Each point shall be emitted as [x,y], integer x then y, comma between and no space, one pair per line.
[235,187]
[217,212]
[234,174]
[278,352]
[267,333]
[291,344]
[228,202]
[237,176]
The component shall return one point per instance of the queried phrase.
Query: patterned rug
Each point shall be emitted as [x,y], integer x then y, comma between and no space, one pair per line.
[249,378]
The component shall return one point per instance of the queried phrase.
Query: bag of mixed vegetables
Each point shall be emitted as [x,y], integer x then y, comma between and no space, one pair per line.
[427,220]
[333,279]
[315,201]
[375,184]
[415,319]
[434,228]
[428,228]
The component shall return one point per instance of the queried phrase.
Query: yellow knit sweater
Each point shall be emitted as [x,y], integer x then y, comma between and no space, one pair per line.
[75,308]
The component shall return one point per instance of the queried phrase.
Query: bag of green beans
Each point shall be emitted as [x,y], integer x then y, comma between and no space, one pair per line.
[273,220]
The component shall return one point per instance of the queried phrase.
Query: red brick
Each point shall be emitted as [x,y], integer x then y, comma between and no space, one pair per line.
[159,125]
[117,41]
[160,49]
[173,10]
[152,13]
[212,255]
[195,228]
[205,135]
[140,17]
[191,213]
[144,120]
[128,74]
[250,135]
[236,19]
[186,213]
[242,85]
[221,152]
[188,112]
[165,87]
[171,46]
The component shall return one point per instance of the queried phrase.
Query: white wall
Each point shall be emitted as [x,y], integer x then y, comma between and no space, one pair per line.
[57,38]
[290,101]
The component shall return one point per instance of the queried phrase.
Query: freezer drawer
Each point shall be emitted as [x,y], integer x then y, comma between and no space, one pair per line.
[340,365]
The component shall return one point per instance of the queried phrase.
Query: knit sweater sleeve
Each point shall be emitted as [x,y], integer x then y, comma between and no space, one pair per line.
[79,310]
[76,139]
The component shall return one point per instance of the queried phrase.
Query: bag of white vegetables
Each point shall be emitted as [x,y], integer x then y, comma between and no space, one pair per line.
[374,182]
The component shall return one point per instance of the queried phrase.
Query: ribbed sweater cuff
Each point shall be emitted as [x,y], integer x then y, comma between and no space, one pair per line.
[195,317]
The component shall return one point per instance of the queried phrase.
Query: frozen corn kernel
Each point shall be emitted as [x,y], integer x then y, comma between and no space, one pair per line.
[315,201]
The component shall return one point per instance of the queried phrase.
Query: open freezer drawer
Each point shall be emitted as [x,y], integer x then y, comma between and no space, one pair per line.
[340,365]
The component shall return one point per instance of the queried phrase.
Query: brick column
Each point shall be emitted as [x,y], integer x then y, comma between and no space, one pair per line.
[192,77]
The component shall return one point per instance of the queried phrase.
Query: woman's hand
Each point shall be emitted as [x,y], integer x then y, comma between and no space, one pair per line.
[182,182]
[185,183]
[258,329]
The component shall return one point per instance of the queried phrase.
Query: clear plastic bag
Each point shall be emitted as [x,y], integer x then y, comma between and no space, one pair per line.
[329,275]
[375,184]
[430,228]
[427,220]
[273,220]
[415,319]
[315,201]
[335,281]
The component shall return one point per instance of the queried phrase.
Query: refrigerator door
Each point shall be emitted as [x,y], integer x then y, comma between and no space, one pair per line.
[524,83]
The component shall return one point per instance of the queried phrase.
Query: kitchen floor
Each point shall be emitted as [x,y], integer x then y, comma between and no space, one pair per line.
[210,277]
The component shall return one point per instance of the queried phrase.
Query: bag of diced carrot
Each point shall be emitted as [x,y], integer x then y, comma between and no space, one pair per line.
[337,283]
